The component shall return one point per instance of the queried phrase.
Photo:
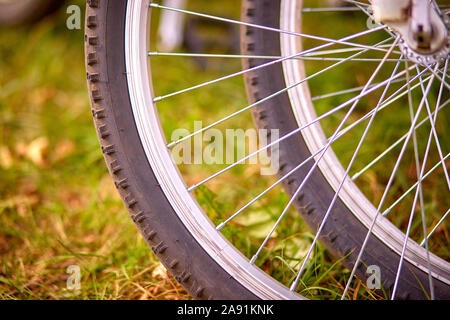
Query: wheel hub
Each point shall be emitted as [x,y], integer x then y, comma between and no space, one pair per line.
[423,29]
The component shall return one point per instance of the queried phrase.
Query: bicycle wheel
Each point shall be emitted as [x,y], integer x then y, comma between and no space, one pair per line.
[190,245]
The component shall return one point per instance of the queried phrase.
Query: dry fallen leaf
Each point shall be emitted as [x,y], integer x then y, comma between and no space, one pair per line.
[6,159]
[160,272]
[41,95]
[63,149]
[107,189]
[23,203]
[37,151]
[21,148]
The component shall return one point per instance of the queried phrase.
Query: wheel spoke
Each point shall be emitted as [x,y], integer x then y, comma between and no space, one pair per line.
[212,17]
[373,162]
[439,77]
[437,165]
[335,9]
[433,127]
[360,88]
[335,197]
[357,3]
[240,56]
[393,146]
[411,217]
[436,226]
[388,186]
[156,99]
[338,93]
[341,106]
[419,173]
[332,139]
[419,177]
[264,99]
[344,50]
[386,103]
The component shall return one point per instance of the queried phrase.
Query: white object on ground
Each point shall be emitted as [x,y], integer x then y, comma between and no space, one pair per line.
[171,26]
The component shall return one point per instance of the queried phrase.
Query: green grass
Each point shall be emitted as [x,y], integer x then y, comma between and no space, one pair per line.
[59,207]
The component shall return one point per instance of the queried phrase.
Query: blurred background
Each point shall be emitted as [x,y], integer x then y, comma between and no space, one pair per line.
[58,205]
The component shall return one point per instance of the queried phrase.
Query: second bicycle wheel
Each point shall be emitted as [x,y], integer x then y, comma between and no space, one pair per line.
[194,232]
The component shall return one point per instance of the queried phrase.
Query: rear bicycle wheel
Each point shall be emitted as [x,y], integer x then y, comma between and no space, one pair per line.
[167,213]
[350,213]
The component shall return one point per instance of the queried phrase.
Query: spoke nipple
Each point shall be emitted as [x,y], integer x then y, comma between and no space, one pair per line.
[191,188]
[152,53]
[170,145]
[252,261]
[220,226]
[156,99]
